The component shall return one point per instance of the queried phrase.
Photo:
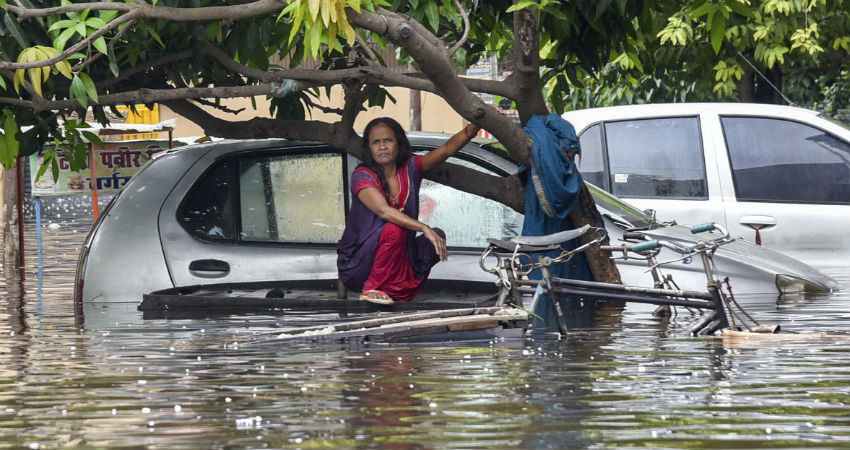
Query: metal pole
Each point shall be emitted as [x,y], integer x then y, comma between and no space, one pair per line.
[93,174]
[37,201]
[620,288]
[587,293]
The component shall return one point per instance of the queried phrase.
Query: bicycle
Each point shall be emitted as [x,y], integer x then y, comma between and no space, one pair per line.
[512,273]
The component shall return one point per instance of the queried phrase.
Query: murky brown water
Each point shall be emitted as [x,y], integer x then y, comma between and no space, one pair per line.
[126,382]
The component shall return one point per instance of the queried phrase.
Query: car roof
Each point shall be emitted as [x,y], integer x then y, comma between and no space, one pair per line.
[581,118]
[479,148]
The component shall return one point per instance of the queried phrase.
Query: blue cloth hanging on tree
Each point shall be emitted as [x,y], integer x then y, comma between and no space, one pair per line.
[552,187]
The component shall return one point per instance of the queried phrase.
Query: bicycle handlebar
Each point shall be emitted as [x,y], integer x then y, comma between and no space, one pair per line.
[701,228]
[644,246]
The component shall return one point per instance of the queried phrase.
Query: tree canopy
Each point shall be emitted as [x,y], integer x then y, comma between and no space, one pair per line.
[57,61]
[731,50]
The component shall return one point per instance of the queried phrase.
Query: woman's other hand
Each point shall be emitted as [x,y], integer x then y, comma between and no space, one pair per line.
[438,242]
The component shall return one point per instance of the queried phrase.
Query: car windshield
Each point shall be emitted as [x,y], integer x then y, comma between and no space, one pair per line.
[617,210]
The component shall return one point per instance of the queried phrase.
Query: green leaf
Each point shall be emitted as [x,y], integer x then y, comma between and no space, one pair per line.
[740,8]
[155,35]
[601,6]
[100,45]
[211,31]
[45,164]
[54,168]
[78,92]
[113,65]
[433,13]
[705,8]
[91,91]
[107,16]
[15,30]
[62,24]
[521,5]
[95,22]
[62,39]
[718,28]
[555,12]
[636,61]
[315,40]
[92,137]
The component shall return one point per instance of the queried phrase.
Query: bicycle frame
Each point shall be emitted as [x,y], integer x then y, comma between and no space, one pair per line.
[512,276]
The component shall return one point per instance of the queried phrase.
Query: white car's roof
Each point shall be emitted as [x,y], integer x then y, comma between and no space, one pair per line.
[583,117]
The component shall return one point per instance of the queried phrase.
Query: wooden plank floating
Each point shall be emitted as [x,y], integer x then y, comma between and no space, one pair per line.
[401,326]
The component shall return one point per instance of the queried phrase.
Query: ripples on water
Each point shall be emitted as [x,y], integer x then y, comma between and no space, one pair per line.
[198,383]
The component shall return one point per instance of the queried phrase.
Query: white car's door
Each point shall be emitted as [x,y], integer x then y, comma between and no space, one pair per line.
[656,162]
[790,179]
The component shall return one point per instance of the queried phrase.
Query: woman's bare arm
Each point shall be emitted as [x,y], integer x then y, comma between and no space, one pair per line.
[437,156]
[372,198]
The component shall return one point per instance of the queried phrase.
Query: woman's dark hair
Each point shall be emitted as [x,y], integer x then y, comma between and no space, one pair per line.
[404,150]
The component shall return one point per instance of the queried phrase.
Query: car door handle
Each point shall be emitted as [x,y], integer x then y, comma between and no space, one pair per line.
[209,268]
[757,223]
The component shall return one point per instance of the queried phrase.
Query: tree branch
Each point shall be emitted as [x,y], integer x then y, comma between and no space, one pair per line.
[160,61]
[466,27]
[506,190]
[430,53]
[158,96]
[335,135]
[74,48]
[146,11]
[529,97]
[369,74]
[97,56]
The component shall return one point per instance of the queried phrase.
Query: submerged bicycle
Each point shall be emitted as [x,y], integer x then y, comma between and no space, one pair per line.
[515,261]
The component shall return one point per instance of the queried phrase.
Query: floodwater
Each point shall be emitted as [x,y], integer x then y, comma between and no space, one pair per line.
[125,382]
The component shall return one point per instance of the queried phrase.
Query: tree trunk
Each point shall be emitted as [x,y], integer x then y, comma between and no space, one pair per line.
[415,110]
[757,89]
[8,185]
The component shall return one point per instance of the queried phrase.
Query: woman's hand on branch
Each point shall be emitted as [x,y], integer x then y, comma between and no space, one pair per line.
[471,130]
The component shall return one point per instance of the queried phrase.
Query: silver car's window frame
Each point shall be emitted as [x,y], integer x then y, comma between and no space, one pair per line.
[472,158]
[233,179]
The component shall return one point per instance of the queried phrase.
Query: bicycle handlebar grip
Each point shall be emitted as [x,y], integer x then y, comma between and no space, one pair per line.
[708,226]
[633,235]
[643,246]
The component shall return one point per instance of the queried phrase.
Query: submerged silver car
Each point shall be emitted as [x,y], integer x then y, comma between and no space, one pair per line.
[271,210]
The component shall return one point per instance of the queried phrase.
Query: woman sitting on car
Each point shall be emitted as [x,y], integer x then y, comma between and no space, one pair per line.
[379,251]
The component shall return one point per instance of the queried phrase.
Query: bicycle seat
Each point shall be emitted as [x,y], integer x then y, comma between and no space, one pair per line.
[510,246]
[551,239]
[531,244]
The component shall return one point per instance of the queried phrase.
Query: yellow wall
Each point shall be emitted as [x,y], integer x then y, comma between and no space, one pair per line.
[436,113]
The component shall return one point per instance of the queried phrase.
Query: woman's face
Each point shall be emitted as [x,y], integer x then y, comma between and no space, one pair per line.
[383,145]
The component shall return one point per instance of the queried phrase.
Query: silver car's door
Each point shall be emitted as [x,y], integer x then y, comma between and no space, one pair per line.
[790,180]
[259,215]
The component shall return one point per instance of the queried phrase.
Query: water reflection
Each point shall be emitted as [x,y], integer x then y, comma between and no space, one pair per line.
[628,379]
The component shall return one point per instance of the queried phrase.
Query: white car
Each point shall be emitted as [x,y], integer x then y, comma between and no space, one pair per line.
[776,175]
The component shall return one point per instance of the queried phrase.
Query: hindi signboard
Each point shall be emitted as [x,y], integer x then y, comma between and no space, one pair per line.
[115,164]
